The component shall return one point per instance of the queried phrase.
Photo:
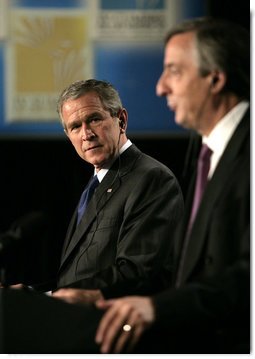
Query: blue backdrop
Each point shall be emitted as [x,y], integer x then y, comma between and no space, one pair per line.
[132,68]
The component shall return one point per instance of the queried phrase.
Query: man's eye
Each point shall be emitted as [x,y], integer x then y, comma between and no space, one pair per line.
[174,71]
[75,127]
[95,120]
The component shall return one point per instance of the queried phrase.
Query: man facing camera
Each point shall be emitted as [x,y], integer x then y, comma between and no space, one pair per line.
[120,243]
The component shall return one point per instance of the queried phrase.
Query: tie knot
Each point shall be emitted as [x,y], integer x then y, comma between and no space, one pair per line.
[93,183]
[205,153]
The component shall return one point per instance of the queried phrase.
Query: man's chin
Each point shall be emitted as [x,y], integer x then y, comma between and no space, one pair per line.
[98,164]
[181,122]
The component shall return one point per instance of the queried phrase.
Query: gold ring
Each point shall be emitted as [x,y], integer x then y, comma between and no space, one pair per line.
[126,328]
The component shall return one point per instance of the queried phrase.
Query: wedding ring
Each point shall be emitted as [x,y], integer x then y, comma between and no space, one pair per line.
[126,328]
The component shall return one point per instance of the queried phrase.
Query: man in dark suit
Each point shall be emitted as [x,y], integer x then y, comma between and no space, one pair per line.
[121,243]
[118,245]
[207,309]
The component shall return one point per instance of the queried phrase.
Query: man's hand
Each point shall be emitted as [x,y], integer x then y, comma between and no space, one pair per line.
[13,286]
[123,323]
[78,296]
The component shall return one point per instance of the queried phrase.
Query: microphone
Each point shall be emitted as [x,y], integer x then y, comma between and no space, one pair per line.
[16,244]
[25,228]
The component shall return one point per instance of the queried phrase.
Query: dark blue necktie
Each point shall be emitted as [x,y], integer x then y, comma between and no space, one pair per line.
[86,196]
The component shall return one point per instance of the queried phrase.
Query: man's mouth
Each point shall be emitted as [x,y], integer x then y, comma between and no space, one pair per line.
[92,148]
[172,106]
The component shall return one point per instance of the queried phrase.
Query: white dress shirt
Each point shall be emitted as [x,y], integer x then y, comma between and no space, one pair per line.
[100,174]
[219,137]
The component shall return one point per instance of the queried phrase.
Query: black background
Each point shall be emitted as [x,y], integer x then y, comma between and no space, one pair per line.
[46,174]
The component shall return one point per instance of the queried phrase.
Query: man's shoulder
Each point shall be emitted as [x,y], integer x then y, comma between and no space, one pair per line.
[137,160]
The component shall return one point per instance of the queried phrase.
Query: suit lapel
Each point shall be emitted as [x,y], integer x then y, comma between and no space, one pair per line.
[226,168]
[103,193]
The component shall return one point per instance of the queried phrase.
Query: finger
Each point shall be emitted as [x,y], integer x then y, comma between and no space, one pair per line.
[121,342]
[59,293]
[17,286]
[135,338]
[127,336]
[65,292]
[118,319]
[65,295]
[104,324]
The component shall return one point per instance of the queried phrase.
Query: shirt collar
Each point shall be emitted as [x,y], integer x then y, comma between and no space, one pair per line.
[222,132]
[100,174]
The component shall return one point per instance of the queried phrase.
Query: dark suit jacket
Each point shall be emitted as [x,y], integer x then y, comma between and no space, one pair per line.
[123,241]
[209,313]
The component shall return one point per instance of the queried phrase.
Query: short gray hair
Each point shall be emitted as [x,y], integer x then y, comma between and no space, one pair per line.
[222,45]
[108,95]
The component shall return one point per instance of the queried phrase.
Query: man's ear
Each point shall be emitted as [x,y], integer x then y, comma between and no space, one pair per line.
[123,119]
[218,81]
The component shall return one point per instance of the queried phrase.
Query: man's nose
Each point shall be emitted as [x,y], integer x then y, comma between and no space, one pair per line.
[161,88]
[87,132]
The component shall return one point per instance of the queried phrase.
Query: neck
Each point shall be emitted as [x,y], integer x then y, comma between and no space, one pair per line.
[221,106]
[122,140]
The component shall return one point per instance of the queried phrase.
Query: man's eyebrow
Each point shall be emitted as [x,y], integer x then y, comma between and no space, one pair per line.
[73,122]
[77,121]
[92,116]
[169,65]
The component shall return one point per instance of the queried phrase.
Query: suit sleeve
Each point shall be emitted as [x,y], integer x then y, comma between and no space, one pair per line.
[209,302]
[218,302]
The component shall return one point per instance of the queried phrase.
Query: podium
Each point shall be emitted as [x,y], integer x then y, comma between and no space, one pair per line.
[33,323]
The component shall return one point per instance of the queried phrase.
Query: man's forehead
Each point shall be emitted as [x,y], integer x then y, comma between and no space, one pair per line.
[180,46]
